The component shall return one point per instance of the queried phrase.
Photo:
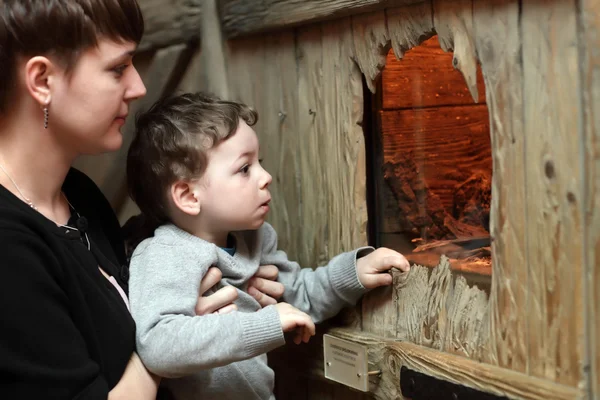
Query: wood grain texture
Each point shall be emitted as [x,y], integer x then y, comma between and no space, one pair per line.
[555,192]
[371,44]
[389,356]
[453,21]
[408,26]
[243,17]
[177,23]
[440,310]
[309,52]
[213,51]
[447,143]
[425,77]
[502,70]
[589,25]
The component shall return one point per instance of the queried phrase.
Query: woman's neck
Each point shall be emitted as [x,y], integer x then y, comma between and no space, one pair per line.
[35,165]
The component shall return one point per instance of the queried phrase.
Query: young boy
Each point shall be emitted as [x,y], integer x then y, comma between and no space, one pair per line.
[193,169]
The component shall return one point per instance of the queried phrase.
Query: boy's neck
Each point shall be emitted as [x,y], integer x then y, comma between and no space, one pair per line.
[220,239]
[191,224]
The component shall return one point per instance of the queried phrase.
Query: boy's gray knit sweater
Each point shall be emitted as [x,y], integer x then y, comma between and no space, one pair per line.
[223,356]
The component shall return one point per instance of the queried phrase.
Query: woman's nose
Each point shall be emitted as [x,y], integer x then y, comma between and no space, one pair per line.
[137,88]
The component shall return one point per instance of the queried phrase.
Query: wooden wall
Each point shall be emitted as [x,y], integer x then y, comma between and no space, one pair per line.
[306,85]
[537,334]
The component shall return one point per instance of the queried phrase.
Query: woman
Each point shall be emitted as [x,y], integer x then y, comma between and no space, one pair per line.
[66,84]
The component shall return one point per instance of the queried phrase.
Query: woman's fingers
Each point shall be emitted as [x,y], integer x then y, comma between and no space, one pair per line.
[270,288]
[264,287]
[212,277]
[226,309]
[268,272]
[209,304]
[262,298]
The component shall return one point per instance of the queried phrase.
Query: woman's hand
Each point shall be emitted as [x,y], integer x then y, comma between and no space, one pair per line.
[221,301]
[137,383]
[264,287]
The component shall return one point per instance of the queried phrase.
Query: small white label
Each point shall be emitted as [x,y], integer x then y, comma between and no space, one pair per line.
[346,362]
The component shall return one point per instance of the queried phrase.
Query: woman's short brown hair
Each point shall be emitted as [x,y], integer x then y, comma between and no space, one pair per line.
[61,29]
[171,143]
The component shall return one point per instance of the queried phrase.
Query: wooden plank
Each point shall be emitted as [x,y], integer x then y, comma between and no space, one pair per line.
[212,51]
[170,25]
[439,310]
[409,25]
[309,50]
[284,161]
[453,22]
[446,143]
[371,44]
[555,192]
[425,77]
[502,70]
[589,25]
[342,143]
[242,17]
[390,356]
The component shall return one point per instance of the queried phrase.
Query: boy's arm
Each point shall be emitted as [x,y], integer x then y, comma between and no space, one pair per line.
[171,340]
[322,292]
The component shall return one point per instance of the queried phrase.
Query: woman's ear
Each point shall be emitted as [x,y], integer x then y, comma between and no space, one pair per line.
[185,198]
[39,73]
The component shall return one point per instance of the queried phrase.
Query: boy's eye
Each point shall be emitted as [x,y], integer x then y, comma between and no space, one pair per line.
[245,169]
[260,161]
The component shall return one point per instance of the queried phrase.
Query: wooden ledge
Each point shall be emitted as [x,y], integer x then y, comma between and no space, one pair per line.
[243,17]
[389,356]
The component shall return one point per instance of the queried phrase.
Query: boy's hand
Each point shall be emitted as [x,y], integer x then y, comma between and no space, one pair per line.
[293,319]
[372,269]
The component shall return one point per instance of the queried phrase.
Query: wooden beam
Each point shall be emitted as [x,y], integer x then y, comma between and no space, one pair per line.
[213,56]
[177,22]
[502,70]
[554,190]
[243,17]
[390,356]
[589,25]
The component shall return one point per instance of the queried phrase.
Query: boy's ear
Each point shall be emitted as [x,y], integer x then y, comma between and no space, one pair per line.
[185,198]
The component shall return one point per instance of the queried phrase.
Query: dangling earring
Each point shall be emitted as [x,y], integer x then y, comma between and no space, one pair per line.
[46,113]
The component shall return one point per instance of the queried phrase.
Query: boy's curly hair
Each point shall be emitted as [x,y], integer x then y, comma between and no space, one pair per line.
[171,143]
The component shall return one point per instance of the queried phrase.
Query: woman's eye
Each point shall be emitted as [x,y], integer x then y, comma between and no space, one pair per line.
[120,69]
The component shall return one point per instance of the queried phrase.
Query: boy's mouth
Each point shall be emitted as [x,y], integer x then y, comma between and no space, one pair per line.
[265,204]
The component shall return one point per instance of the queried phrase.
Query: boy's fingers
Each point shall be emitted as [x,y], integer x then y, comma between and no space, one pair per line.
[212,277]
[372,281]
[307,335]
[395,261]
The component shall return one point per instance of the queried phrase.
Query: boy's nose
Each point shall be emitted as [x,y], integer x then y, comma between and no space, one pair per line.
[266,180]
